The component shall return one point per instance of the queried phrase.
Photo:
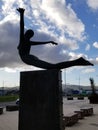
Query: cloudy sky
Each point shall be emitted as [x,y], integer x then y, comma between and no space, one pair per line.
[73,24]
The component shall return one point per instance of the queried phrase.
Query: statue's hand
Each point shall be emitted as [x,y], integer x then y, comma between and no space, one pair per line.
[21,10]
[54,43]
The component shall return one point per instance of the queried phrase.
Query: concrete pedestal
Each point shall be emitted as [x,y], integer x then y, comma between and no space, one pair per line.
[40,100]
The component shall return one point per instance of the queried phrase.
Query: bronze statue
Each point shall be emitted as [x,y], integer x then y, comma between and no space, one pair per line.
[25,45]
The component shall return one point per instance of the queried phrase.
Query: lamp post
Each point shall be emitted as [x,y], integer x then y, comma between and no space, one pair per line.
[65,77]
[3,88]
[79,84]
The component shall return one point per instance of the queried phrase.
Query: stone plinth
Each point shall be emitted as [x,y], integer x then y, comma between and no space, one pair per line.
[40,100]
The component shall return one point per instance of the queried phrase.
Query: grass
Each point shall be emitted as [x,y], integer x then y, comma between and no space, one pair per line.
[8,98]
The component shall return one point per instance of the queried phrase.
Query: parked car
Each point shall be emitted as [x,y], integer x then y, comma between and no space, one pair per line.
[17,101]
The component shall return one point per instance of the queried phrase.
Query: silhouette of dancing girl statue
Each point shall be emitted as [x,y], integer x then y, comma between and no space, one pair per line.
[25,45]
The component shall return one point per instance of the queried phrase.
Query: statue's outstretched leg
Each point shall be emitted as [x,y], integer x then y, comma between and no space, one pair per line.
[78,62]
[34,61]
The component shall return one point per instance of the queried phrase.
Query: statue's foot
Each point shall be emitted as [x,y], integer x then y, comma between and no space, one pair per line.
[82,61]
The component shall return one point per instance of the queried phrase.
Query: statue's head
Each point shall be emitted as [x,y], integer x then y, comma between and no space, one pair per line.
[29,33]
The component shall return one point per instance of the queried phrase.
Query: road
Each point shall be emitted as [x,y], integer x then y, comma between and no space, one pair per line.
[4,104]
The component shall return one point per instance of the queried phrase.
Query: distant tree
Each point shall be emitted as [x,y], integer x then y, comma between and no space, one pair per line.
[92,85]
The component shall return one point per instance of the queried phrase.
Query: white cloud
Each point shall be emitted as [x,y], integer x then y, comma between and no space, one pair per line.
[64,17]
[10,70]
[57,13]
[74,55]
[95,44]
[88,70]
[93,4]
[96,58]
[87,47]
[96,61]
[70,43]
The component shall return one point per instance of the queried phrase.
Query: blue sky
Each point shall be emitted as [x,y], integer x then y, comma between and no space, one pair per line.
[71,23]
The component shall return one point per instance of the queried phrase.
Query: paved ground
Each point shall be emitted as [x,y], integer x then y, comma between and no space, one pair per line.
[9,120]
[88,123]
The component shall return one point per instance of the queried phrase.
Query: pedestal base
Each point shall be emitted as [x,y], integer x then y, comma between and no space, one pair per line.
[40,100]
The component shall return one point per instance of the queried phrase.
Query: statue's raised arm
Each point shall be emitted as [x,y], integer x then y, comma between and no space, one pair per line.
[21,11]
